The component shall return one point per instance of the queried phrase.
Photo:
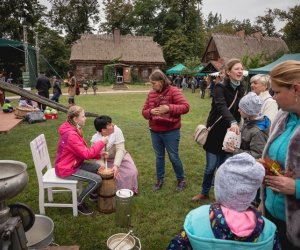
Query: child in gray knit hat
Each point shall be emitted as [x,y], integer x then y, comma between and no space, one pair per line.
[255,130]
[231,222]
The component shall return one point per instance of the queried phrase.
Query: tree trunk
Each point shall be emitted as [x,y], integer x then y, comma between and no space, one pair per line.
[35,97]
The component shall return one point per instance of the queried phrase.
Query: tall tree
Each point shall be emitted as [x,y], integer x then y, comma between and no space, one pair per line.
[14,14]
[54,52]
[177,48]
[145,14]
[291,32]
[118,14]
[266,23]
[213,21]
[74,17]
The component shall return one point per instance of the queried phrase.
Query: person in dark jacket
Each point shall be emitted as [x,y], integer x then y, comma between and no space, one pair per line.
[43,85]
[56,89]
[224,95]
[163,108]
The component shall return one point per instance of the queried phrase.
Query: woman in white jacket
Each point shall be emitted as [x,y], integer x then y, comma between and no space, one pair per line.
[260,84]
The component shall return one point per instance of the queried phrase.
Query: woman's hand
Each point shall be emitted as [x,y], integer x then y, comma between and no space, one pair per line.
[162,109]
[116,171]
[281,184]
[235,128]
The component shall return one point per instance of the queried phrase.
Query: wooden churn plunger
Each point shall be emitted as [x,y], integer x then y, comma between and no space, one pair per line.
[107,190]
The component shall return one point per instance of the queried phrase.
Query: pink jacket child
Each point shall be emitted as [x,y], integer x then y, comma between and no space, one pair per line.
[72,153]
[72,150]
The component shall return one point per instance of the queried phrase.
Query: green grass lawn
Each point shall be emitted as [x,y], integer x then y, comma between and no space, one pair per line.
[156,216]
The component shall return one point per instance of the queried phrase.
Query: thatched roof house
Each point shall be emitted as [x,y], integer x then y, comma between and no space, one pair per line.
[222,47]
[92,52]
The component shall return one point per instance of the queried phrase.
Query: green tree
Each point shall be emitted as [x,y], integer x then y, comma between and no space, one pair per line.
[118,14]
[212,21]
[14,14]
[145,18]
[266,23]
[291,33]
[190,66]
[177,47]
[54,53]
[74,17]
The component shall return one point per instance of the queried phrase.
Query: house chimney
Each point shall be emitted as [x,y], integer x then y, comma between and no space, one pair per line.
[241,34]
[257,35]
[117,36]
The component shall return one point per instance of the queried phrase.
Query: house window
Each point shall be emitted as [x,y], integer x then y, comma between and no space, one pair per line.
[145,73]
[211,55]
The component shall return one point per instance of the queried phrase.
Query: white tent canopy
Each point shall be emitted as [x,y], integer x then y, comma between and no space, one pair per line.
[245,73]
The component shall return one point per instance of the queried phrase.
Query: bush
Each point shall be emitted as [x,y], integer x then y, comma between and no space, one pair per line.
[109,73]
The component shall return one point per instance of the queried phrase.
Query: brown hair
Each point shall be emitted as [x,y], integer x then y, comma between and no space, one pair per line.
[73,112]
[286,74]
[230,64]
[158,75]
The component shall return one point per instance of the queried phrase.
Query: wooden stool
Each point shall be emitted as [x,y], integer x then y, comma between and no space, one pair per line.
[107,192]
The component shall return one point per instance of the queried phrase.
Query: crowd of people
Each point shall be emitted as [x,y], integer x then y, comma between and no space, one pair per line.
[255,206]
[270,135]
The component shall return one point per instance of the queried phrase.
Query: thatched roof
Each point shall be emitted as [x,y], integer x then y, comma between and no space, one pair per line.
[105,48]
[239,45]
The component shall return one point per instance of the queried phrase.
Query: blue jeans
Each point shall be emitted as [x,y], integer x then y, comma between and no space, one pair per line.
[87,173]
[168,140]
[213,161]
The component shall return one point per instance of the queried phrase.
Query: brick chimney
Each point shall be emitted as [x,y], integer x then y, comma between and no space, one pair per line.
[257,35]
[241,34]
[117,36]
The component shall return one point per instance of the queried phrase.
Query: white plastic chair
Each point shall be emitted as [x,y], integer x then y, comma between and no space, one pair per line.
[47,178]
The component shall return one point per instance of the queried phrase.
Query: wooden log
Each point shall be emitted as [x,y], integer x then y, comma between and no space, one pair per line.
[35,97]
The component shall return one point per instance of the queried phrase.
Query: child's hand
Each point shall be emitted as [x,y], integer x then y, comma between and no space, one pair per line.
[229,147]
[104,139]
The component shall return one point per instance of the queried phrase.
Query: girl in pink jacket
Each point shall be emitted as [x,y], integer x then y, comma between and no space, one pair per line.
[72,151]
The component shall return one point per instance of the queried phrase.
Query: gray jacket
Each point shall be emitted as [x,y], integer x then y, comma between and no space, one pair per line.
[253,139]
[292,164]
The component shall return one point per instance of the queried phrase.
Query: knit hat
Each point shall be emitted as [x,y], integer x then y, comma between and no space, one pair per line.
[237,181]
[251,104]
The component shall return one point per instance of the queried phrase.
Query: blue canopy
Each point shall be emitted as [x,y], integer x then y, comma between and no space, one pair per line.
[176,69]
[267,68]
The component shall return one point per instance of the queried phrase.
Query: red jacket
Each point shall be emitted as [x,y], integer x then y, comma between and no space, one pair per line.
[72,150]
[174,99]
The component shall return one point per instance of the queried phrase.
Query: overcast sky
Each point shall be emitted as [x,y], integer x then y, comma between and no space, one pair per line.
[243,9]
[238,9]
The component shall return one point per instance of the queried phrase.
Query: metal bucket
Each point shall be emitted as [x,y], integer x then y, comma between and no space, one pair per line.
[123,207]
[41,233]
[122,241]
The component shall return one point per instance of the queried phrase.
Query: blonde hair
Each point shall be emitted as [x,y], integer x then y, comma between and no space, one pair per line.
[73,112]
[158,75]
[261,78]
[286,74]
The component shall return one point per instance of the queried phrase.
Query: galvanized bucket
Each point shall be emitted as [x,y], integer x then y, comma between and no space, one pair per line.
[41,233]
[122,241]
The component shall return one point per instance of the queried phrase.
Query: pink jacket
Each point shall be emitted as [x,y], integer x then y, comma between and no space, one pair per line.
[176,102]
[72,150]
